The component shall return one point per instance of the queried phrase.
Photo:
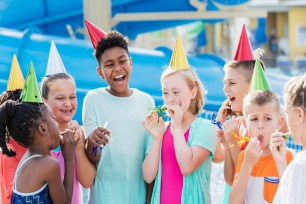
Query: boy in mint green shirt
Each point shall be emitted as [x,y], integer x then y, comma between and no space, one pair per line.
[119,177]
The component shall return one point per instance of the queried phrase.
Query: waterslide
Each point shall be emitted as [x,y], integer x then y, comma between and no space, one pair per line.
[33,45]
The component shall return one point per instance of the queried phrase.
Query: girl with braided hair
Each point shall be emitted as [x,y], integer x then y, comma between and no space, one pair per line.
[8,165]
[33,126]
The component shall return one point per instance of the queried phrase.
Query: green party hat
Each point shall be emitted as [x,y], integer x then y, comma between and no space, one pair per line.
[30,92]
[259,80]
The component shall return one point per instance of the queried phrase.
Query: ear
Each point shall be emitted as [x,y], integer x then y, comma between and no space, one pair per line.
[44,100]
[280,122]
[100,72]
[42,128]
[300,115]
[194,92]
[131,61]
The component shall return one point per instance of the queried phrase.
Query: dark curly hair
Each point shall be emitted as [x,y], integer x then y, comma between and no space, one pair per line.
[13,95]
[21,120]
[45,84]
[110,40]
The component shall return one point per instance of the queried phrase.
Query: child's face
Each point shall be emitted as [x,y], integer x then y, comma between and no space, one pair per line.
[262,121]
[52,127]
[292,119]
[116,67]
[235,87]
[177,92]
[62,100]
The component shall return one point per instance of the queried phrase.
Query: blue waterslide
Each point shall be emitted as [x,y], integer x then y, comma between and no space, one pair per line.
[79,62]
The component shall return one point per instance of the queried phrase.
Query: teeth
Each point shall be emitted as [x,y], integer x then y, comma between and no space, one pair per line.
[119,76]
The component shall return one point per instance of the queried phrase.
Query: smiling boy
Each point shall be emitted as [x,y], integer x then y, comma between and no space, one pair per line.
[119,177]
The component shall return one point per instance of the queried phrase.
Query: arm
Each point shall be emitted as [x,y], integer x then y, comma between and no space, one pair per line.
[85,170]
[221,117]
[252,153]
[188,158]
[278,150]
[59,192]
[229,168]
[156,127]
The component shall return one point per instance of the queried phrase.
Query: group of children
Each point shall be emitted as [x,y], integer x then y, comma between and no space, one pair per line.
[124,149]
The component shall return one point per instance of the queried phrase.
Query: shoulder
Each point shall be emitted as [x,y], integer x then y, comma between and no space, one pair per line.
[202,123]
[95,92]
[142,94]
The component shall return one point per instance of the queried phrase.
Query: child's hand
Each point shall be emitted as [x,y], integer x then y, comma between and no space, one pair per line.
[68,143]
[155,125]
[98,136]
[278,147]
[176,113]
[252,152]
[78,131]
[223,111]
[230,130]
[220,136]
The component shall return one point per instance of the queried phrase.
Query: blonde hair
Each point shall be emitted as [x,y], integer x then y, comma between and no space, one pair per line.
[193,81]
[295,90]
[260,98]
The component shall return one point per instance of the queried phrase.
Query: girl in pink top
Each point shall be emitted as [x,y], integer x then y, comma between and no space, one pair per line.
[59,92]
[179,158]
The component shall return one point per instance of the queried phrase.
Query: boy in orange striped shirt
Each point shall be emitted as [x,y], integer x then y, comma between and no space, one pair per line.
[262,163]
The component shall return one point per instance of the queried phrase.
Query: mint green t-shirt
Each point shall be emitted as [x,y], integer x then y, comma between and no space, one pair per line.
[196,186]
[119,176]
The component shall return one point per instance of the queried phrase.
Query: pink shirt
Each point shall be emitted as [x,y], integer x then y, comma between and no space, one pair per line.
[172,178]
[77,196]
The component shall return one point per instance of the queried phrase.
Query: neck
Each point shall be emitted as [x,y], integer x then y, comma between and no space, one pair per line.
[35,149]
[188,118]
[126,93]
[64,126]
[267,151]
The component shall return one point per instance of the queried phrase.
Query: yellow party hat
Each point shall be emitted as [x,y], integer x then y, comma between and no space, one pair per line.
[16,80]
[178,59]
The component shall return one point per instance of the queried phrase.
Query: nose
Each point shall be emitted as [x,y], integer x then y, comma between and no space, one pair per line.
[260,125]
[67,103]
[225,88]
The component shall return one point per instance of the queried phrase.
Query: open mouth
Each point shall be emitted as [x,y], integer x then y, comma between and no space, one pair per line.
[68,112]
[260,138]
[119,78]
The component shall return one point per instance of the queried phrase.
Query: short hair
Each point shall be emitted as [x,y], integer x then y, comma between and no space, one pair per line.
[247,67]
[47,80]
[193,81]
[21,119]
[260,98]
[110,40]
[295,91]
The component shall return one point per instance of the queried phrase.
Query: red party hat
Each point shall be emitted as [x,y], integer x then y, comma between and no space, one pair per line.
[244,50]
[95,33]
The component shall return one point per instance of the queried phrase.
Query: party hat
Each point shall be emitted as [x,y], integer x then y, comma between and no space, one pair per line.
[178,59]
[95,33]
[30,92]
[55,63]
[244,49]
[259,80]
[16,80]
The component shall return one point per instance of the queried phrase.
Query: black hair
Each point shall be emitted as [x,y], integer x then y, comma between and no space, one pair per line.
[21,119]
[45,85]
[110,40]
[13,95]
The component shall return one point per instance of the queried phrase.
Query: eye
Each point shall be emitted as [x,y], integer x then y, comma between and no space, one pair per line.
[268,118]
[165,93]
[60,98]
[123,61]
[253,119]
[176,92]
[72,97]
[109,65]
